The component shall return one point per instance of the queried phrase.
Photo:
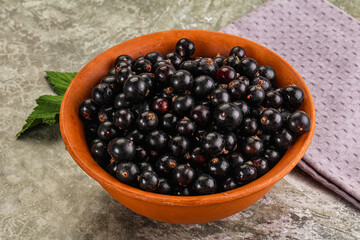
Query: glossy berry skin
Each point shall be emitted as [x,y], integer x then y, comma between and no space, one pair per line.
[140,107]
[200,114]
[88,110]
[164,73]
[136,88]
[160,106]
[272,155]
[238,51]
[256,111]
[165,165]
[123,119]
[228,116]
[230,141]
[103,94]
[244,107]
[203,85]
[197,156]
[266,138]
[122,65]
[273,99]
[237,89]
[179,145]
[212,143]
[207,66]
[299,122]
[157,140]
[256,95]
[160,63]
[271,120]
[185,127]
[150,80]
[147,121]
[121,101]
[293,96]
[244,174]
[285,114]
[261,165]
[141,154]
[219,61]
[124,58]
[105,114]
[244,80]
[229,184]
[149,181]
[111,72]
[168,122]
[99,152]
[248,67]
[249,126]
[135,135]
[112,82]
[283,139]
[154,57]
[145,166]
[225,74]
[204,185]
[185,48]
[236,159]
[182,191]
[263,82]
[122,75]
[181,81]
[127,172]
[174,58]
[267,72]
[164,186]
[183,174]
[182,105]
[253,146]
[218,167]
[107,131]
[189,65]
[122,149]
[142,66]
[219,96]
[233,62]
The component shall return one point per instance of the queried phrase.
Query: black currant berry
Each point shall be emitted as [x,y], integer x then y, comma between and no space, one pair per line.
[140,107]
[272,155]
[263,82]
[219,96]
[249,126]
[122,149]
[174,58]
[190,66]
[256,95]
[200,114]
[164,186]
[237,89]
[218,167]
[157,140]
[293,96]
[219,61]
[154,57]
[142,66]
[99,153]
[230,141]
[283,139]
[203,85]
[185,127]
[229,184]
[147,121]
[253,146]
[106,114]
[238,51]
[168,122]
[122,75]
[160,63]
[244,107]
[149,181]
[135,135]
[233,62]
[183,174]
[141,154]
[165,165]
[236,159]
[271,120]
[261,166]
[88,110]
[136,88]
[107,131]
[160,106]
[112,82]
[299,122]
[273,99]
[111,72]
[181,81]
[145,166]
[127,172]
[103,94]
[207,66]
[228,115]
[164,73]
[213,143]
[182,105]
[121,101]
[205,184]
[185,48]
[245,173]
[266,138]
[123,119]
[182,191]
[197,156]
[267,72]
[150,80]
[124,58]
[179,145]
[248,67]
[225,74]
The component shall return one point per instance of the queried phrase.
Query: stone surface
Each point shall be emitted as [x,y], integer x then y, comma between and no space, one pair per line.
[45,195]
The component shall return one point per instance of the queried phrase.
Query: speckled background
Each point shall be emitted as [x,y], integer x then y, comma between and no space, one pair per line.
[45,195]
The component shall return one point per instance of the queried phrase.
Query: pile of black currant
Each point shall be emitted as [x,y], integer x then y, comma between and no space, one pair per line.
[184,126]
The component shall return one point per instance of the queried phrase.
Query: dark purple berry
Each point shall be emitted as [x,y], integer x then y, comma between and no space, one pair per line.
[228,116]
[181,81]
[112,82]
[99,153]
[253,146]
[218,167]
[256,95]
[122,149]
[249,126]
[103,94]
[123,119]
[233,62]
[229,184]
[230,141]
[154,57]
[271,120]
[236,159]
[121,101]
[197,156]
[225,74]
[157,140]
[189,65]
[245,173]
[165,165]
[168,122]
[272,155]
[106,114]
[244,107]
[136,135]
[124,58]
[107,131]
[182,105]
[238,51]
[205,184]
[261,166]
[200,114]
[88,110]
[179,145]
[164,73]
[164,186]
[299,122]
[122,75]
[145,166]
[207,66]
[293,96]
[203,85]
[147,121]
[219,96]
[183,174]
[174,58]
[273,99]
[267,72]
[142,66]
[160,106]
[283,139]
[185,48]
[248,67]
[136,88]
[185,127]
[237,89]
[263,82]
[127,172]
[213,143]
[149,181]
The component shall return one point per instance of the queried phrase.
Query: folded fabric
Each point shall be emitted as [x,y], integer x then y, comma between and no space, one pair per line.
[323,44]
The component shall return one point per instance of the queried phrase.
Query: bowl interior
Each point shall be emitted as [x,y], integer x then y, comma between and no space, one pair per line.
[207,44]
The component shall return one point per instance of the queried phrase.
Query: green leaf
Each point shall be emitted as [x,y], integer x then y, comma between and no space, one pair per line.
[60,81]
[47,112]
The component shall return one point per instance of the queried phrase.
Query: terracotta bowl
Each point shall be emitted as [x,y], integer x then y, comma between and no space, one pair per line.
[179,209]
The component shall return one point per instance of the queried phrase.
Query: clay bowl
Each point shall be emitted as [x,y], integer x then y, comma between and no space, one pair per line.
[179,209]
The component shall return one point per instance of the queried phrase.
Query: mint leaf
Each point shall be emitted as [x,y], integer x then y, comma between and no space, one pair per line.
[60,81]
[47,111]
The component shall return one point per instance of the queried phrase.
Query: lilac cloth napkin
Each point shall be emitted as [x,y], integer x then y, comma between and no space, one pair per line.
[323,44]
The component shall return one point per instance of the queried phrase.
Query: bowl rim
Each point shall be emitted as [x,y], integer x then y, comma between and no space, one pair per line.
[108,181]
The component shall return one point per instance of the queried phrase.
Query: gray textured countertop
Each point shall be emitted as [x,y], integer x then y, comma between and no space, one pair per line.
[45,195]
